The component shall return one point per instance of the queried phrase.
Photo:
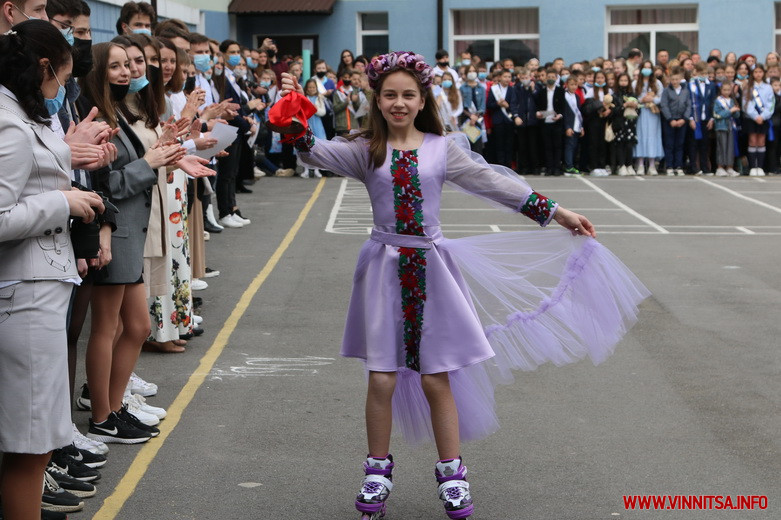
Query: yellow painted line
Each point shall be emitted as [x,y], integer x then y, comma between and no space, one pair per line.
[114,503]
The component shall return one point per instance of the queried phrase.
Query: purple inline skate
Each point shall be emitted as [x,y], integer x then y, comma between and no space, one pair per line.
[376,488]
[454,489]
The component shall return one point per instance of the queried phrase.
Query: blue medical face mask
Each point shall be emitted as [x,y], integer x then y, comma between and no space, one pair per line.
[742,76]
[234,59]
[142,31]
[54,105]
[482,75]
[251,64]
[137,84]
[265,84]
[599,85]
[595,69]
[447,83]
[68,35]
[564,78]
[465,62]
[202,62]
[646,72]
[207,76]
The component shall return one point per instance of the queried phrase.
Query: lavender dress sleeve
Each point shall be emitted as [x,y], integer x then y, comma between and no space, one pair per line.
[498,185]
[347,158]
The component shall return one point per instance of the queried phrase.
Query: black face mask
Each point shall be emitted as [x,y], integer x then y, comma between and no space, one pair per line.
[346,82]
[153,74]
[189,84]
[320,74]
[443,63]
[82,57]
[118,92]
[271,53]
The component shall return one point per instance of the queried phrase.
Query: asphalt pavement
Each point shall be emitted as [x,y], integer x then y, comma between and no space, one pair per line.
[271,426]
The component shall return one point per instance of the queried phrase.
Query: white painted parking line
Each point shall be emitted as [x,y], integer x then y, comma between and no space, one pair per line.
[745,230]
[329,227]
[495,228]
[741,196]
[623,206]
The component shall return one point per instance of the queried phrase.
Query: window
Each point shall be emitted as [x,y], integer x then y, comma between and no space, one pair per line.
[672,28]
[778,27]
[495,34]
[372,34]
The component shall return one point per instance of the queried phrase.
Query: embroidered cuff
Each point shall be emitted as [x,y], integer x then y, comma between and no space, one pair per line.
[305,142]
[539,208]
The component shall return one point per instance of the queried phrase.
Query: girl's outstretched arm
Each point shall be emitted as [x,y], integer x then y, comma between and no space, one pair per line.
[578,224]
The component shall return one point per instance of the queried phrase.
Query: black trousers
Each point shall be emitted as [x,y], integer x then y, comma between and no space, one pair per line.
[502,137]
[596,144]
[528,148]
[773,150]
[697,150]
[553,142]
[227,169]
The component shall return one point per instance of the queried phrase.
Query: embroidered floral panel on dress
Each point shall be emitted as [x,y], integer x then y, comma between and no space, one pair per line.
[408,205]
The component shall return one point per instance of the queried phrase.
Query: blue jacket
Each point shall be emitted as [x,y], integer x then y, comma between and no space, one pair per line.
[699,100]
[476,93]
[722,116]
[526,105]
[768,98]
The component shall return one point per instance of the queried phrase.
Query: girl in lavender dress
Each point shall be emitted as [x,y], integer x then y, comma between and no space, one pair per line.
[439,322]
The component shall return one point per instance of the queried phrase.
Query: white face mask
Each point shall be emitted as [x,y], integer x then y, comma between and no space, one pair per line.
[471,76]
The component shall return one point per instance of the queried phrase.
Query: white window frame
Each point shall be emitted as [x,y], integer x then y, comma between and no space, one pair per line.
[649,28]
[360,33]
[453,38]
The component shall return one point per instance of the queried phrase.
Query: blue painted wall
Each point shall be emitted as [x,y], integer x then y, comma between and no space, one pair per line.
[217,25]
[103,20]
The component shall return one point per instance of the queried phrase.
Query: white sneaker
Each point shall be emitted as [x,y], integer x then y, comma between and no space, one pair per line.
[622,171]
[198,285]
[317,173]
[211,273]
[640,170]
[207,236]
[210,217]
[141,415]
[139,386]
[258,173]
[197,319]
[229,222]
[760,172]
[285,172]
[679,172]
[698,174]
[732,173]
[83,442]
[145,407]
[652,169]
[630,170]
[305,173]
[670,172]
[242,220]
[721,172]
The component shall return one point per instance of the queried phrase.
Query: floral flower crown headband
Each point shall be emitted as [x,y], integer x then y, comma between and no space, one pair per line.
[394,61]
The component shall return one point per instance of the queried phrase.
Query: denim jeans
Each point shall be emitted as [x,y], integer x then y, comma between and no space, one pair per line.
[570,147]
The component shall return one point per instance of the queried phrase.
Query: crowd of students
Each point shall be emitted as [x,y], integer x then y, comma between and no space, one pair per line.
[117,142]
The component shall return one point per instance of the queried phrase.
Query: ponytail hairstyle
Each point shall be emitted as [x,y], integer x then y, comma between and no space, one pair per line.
[95,87]
[151,99]
[376,131]
[21,50]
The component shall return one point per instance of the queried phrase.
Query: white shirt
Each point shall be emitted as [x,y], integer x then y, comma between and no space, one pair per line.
[549,107]
[572,101]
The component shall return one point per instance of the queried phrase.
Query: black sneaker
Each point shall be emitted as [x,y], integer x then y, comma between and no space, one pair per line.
[114,429]
[133,421]
[73,467]
[57,499]
[83,401]
[89,459]
[70,484]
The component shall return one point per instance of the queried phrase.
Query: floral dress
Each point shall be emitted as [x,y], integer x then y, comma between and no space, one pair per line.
[474,307]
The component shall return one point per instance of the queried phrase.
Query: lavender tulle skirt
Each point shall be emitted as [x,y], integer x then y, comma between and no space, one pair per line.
[542,297]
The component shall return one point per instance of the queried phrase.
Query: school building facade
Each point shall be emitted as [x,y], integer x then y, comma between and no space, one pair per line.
[492,29]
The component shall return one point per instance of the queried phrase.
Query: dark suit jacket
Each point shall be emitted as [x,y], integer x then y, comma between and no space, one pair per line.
[569,115]
[497,116]
[558,100]
[526,104]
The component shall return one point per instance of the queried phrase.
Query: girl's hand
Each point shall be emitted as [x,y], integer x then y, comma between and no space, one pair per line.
[578,224]
[204,143]
[81,204]
[104,252]
[164,155]
[193,166]
[759,120]
[88,130]
[289,84]
[81,265]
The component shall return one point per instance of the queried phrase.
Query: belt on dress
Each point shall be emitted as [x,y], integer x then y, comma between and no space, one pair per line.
[413,241]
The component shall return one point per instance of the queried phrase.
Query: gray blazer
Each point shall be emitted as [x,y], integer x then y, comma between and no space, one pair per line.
[129,184]
[34,214]
[676,106]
